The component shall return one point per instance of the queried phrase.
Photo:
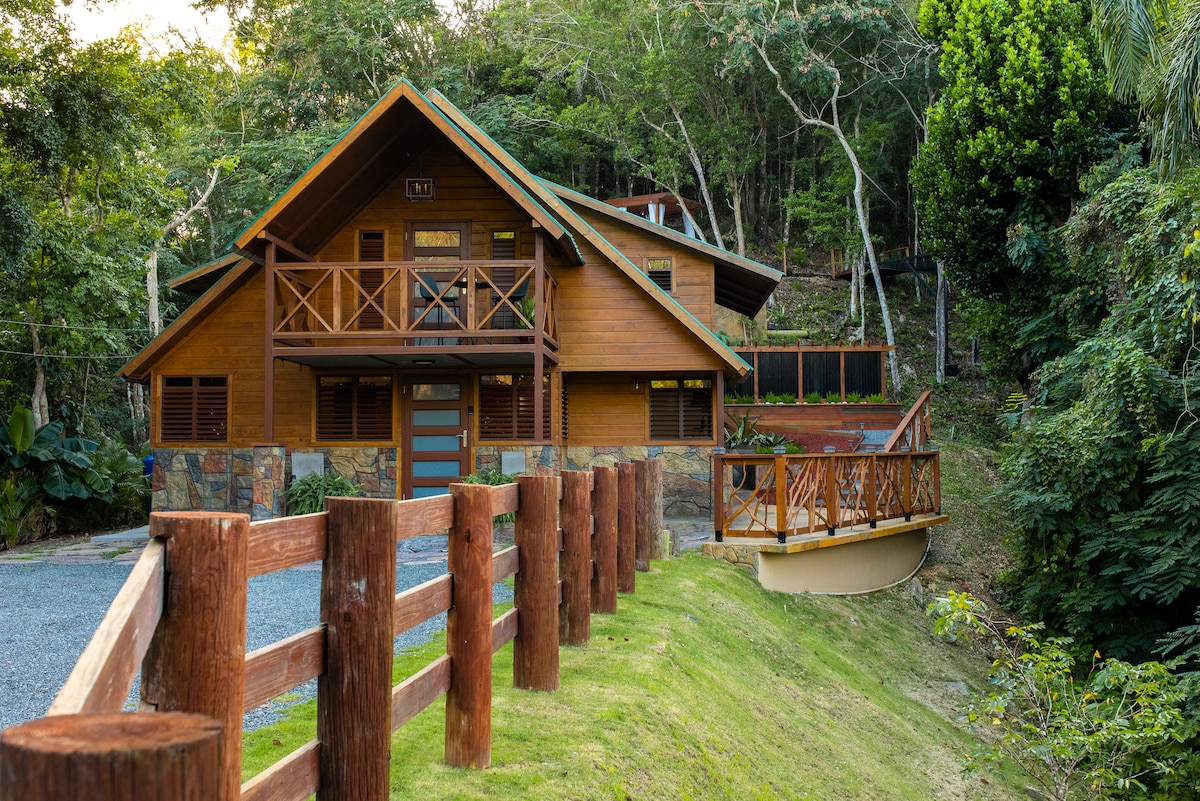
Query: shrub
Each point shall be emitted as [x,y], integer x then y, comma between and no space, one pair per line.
[493,478]
[23,514]
[767,443]
[126,500]
[308,493]
[812,397]
[61,465]
[875,398]
[831,398]
[853,397]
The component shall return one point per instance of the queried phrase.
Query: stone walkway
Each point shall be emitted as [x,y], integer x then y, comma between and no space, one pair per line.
[124,548]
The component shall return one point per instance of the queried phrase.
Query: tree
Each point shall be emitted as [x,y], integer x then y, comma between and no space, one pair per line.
[1152,53]
[1022,115]
[817,56]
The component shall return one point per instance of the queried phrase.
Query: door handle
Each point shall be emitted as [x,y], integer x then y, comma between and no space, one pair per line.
[463,437]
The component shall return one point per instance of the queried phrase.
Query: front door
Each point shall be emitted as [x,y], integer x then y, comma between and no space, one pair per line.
[436,432]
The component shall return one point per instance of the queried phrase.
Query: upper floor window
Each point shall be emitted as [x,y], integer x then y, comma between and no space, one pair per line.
[354,408]
[659,270]
[194,409]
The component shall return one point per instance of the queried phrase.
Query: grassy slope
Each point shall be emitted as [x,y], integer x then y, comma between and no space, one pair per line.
[706,686]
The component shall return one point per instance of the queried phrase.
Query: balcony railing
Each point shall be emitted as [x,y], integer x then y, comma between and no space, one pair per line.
[789,495]
[460,302]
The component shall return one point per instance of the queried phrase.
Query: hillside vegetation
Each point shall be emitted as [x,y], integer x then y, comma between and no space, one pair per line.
[706,686]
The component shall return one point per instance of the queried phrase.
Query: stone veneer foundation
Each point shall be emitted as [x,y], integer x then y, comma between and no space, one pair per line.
[252,480]
[687,470]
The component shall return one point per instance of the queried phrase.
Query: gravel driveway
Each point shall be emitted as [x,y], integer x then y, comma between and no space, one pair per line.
[49,610]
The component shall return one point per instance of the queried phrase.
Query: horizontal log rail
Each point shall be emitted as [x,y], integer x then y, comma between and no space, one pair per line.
[472,302]
[350,652]
[913,431]
[785,495]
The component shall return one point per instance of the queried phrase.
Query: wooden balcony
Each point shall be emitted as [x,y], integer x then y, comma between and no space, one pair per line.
[324,309]
[781,496]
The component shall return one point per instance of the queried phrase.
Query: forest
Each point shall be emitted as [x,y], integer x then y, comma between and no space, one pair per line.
[1043,152]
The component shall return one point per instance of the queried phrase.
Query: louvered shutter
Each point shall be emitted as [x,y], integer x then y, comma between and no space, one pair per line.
[194,409]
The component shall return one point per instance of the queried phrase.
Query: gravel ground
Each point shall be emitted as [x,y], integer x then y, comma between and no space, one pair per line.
[49,611]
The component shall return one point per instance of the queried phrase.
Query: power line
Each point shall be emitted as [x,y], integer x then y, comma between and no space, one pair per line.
[23,324]
[61,355]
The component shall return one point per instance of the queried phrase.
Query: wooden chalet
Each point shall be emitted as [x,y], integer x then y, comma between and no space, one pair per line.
[418,306]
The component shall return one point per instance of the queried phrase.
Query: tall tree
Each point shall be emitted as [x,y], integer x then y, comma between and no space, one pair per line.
[1021,117]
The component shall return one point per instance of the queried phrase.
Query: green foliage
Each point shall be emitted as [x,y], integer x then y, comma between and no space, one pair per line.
[307,494]
[61,465]
[782,397]
[853,397]
[1105,732]
[767,443]
[812,397]
[743,431]
[493,477]
[1097,472]
[1023,108]
[23,515]
[129,497]
[876,397]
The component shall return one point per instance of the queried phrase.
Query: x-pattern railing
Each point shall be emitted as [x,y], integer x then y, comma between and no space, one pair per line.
[373,299]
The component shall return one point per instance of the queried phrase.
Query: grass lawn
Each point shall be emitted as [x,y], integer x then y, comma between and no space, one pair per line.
[706,686]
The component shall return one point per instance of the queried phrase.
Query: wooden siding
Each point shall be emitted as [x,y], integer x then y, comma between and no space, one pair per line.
[606,409]
[693,275]
[608,323]
[463,193]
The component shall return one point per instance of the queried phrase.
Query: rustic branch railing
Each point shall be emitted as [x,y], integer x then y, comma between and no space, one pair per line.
[182,617]
[801,494]
[477,301]
[913,431]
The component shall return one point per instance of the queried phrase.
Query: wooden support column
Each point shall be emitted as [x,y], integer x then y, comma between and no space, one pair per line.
[269,346]
[832,496]
[626,526]
[535,587]
[781,505]
[654,498]
[354,694]
[113,757]
[539,334]
[469,629]
[717,489]
[196,657]
[575,613]
[604,541]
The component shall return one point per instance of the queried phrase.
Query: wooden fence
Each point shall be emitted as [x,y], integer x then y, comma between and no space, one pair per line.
[181,616]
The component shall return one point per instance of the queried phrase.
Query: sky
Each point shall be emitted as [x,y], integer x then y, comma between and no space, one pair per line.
[156,17]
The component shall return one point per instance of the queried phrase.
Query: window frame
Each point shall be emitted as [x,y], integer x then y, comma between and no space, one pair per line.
[656,274]
[164,400]
[485,419]
[681,410]
[355,401]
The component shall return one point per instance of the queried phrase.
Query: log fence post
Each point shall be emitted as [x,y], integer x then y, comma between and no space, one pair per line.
[354,694]
[642,526]
[113,757]
[626,527]
[604,550]
[717,488]
[195,662]
[535,587]
[575,614]
[654,498]
[469,629]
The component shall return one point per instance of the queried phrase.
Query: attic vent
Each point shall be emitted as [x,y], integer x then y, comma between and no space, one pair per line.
[659,271]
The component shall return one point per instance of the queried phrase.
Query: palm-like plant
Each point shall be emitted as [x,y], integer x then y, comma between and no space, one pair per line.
[1151,49]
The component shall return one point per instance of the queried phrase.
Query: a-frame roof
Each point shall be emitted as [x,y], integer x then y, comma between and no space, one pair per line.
[380,146]
[387,140]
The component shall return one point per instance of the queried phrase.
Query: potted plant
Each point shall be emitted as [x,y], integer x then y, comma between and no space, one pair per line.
[742,437]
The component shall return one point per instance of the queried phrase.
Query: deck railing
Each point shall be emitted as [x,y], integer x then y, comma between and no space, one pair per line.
[913,431]
[484,302]
[786,495]
[181,616]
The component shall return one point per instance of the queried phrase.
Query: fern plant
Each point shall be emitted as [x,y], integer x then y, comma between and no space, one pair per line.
[493,478]
[308,493]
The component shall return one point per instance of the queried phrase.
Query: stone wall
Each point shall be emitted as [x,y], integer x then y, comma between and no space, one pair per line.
[539,459]
[687,472]
[252,480]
